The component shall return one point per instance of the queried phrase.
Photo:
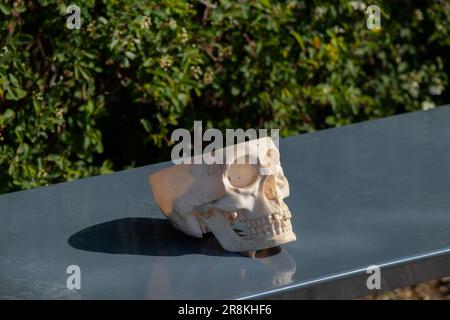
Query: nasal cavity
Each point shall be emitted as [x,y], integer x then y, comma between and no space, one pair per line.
[270,190]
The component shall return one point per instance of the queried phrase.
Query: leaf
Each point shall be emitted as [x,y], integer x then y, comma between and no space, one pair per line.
[402,67]
[103,20]
[20,93]
[7,116]
[113,43]
[53,157]
[84,73]
[89,55]
[266,3]
[5,8]
[146,124]
[13,79]
[130,55]
[299,39]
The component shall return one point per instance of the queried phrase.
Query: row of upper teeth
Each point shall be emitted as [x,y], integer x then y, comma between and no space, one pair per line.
[272,218]
[271,225]
[272,229]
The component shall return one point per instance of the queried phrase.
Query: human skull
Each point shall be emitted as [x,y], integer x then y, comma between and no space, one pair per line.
[240,201]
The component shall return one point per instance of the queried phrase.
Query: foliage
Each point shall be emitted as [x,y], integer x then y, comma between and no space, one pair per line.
[75,103]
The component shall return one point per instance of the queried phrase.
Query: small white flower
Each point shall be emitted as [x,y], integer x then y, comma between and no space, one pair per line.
[165,62]
[208,77]
[418,14]
[320,11]
[276,9]
[38,96]
[414,89]
[196,72]
[4,51]
[326,89]
[183,35]
[338,30]
[59,113]
[90,27]
[436,88]
[358,5]
[291,5]
[146,22]
[172,24]
[427,105]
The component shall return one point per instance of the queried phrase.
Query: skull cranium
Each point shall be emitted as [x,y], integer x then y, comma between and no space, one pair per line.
[240,202]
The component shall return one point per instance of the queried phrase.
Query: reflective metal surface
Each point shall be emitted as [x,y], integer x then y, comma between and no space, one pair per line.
[371,193]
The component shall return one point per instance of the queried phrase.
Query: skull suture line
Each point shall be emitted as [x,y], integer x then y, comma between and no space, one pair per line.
[240,202]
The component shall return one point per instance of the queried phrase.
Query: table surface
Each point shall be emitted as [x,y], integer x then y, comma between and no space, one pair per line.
[376,192]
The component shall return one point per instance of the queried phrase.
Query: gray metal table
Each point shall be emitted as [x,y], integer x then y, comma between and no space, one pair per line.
[371,193]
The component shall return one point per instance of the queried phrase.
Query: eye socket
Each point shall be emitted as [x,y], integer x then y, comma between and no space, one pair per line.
[242,175]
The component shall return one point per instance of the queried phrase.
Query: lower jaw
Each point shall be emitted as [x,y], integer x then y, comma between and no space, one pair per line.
[269,242]
[254,244]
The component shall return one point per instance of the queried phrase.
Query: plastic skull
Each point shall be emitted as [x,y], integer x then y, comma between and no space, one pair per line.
[240,201]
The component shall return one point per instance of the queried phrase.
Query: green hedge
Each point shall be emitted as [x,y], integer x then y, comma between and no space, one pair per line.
[75,103]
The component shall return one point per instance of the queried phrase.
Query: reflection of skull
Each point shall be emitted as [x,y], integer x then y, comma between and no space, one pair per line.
[240,202]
